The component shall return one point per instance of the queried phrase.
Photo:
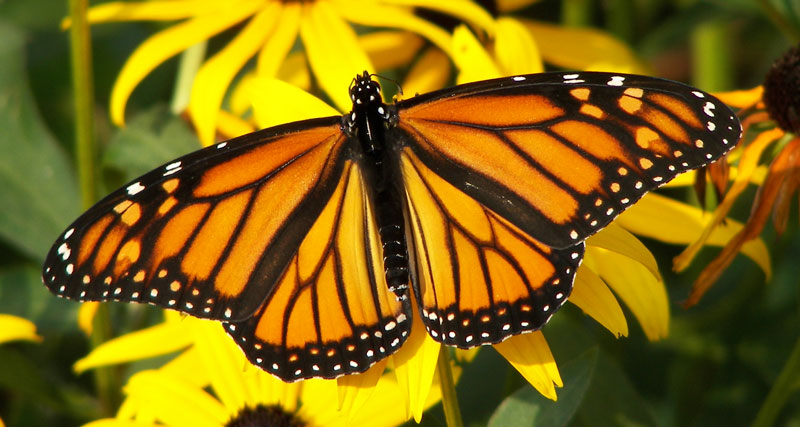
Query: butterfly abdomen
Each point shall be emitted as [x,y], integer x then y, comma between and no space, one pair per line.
[368,122]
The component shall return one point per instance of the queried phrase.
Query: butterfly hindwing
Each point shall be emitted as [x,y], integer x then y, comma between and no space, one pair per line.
[560,155]
[478,278]
[331,313]
[207,234]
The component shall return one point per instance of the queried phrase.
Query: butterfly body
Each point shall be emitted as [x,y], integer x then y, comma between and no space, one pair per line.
[368,124]
[310,240]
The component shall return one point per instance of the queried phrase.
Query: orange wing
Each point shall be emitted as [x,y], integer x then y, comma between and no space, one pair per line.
[478,278]
[560,155]
[505,178]
[331,313]
[208,234]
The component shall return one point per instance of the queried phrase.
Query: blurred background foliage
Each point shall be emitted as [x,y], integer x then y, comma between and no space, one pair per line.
[717,366]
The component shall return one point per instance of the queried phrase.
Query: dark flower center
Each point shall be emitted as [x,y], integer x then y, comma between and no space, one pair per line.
[265,416]
[782,91]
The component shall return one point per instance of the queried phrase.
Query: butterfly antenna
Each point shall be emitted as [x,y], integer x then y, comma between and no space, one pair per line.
[396,83]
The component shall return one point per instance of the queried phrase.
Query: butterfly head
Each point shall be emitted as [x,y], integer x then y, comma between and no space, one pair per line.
[365,92]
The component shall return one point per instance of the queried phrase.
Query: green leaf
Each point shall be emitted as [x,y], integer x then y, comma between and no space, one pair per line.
[37,184]
[151,138]
[22,294]
[527,407]
[611,399]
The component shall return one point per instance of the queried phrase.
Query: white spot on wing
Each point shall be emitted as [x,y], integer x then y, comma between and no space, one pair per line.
[135,188]
[616,81]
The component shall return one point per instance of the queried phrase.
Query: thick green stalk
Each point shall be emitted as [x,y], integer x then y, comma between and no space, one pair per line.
[712,61]
[106,380]
[80,50]
[576,13]
[191,60]
[452,413]
[787,383]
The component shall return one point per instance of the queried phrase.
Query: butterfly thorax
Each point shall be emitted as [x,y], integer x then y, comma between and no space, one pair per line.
[368,122]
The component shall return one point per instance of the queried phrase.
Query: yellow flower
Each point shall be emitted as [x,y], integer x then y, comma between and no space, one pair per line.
[270,28]
[175,394]
[770,114]
[13,328]
[515,45]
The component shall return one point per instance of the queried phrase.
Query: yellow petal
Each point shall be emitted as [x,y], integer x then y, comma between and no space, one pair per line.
[114,422]
[505,6]
[516,49]
[390,49]
[382,408]
[280,41]
[742,98]
[86,313]
[667,220]
[153,10]
[333,51]
[467,11]
[154,341]
[617,239]
[355,390]
[216,74]
[472,60]
[747,165]
[14,328]
[430,72]
[230,126]
[271,109]
[381,15]
[187,366]
[294,71]
[241,95]
[638,288]
[592,296]
[584,49]
[224,362]
[176,402]
[530,355]
[163,45]
[273,391]
[415,364]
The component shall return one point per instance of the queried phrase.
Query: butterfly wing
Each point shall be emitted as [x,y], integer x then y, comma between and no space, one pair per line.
[506,178]
[332,312]
[208,234]
[560,155]
[478,278]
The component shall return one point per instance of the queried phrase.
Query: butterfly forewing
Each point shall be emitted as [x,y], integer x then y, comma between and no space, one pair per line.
[562,154]
[332,312]
[207,234]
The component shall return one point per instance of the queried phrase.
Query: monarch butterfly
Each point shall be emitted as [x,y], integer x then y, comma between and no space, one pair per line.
[305,239]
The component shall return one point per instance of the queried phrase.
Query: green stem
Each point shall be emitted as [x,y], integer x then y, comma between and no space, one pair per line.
[106,379]
[712,61]
[786,383]
[191,60]
[620,18]
[80,51]
[576,13]
[449,399]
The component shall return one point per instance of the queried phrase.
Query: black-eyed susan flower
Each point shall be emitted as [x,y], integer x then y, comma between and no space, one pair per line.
[770,117]
[211,383]
[268,34]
